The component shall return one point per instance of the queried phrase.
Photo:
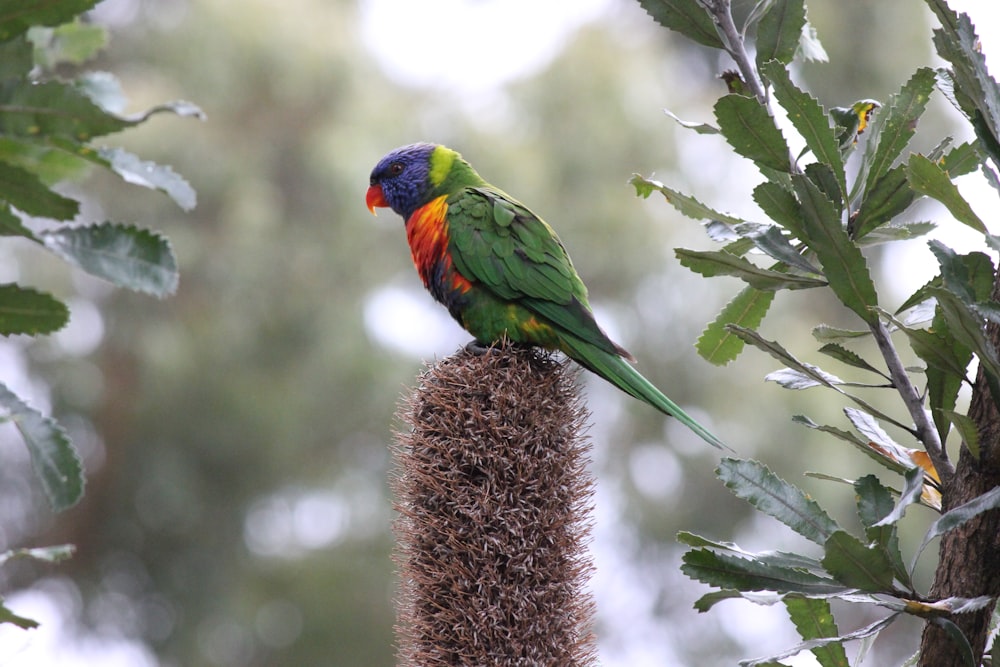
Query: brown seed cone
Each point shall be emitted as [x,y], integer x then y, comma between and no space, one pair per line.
[494,501]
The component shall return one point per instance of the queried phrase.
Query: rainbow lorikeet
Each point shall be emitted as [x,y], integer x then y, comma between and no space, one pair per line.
[500,269]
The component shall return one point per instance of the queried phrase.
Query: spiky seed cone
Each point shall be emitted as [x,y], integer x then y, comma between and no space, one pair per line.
[493,499]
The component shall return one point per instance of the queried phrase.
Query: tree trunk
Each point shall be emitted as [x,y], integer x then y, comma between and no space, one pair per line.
[494,501]
[969,556]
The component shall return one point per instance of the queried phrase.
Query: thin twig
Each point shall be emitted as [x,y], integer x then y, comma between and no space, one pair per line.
[721,11]
[926,432]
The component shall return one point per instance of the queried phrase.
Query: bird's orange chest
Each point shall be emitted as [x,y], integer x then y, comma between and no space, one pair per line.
[427,235]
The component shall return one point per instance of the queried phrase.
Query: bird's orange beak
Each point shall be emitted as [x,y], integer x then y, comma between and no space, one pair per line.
[375,198]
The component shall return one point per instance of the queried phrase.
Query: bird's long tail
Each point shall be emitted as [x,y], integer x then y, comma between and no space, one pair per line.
[623,375]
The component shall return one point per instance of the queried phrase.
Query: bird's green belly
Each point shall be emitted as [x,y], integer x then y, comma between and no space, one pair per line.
[491,319]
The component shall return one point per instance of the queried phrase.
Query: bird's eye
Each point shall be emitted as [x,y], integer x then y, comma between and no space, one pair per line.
[396,168]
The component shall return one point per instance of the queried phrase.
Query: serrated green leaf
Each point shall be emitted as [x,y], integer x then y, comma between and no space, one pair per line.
[969,276]
[912,488]
[750,130]
[920,296]
[70,43]
[781,354]
[53,457]
[127,256]
[781,206]
[720,263]
[961,160]
[17,16]
[797,380]
[685,204]
[769,558]
[875,503]
[148,174]
[989,310]
[54,109]
[825,332]
[896,125]
[769,239]
[746,574]
[823,178]
[813,619]
[717,344]
[779,31]
[976,91]
[861,633]
[11,225]
[842,354]
[26,311]
[841,434]
[53,554]
[809,119]
[8,616]
[946,357]
[62,111]
[927,178]
[869,427]
[957,637]
[861,445]
[960,515]
[843,264]
[709,600]
[935,349]
[50,164]
[15,58]
[24,191]
[104,89]
[896,231]
[937,153]
[967,328]
[890,196]
[700,128]
[687,17]
[966,428]
[810,48]
[857,565]
[755,483]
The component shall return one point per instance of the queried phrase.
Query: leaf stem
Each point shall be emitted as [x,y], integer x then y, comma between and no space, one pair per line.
[925,430]
[721,11]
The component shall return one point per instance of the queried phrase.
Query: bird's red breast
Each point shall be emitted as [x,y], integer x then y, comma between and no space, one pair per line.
[427,234]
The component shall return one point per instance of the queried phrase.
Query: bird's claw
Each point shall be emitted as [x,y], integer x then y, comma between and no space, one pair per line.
[476,348]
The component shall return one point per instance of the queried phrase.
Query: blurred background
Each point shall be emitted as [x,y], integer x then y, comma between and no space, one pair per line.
[236,435]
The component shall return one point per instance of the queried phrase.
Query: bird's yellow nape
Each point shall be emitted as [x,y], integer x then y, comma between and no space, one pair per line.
[441,160]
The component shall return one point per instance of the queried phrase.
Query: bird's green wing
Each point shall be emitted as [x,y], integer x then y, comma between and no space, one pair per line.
[498,242]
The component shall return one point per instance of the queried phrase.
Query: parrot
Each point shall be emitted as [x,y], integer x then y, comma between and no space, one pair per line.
[499,269]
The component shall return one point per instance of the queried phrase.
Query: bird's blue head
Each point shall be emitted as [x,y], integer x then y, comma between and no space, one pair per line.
[402,180]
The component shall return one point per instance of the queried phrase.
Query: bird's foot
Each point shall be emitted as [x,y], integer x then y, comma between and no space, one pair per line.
[477,349]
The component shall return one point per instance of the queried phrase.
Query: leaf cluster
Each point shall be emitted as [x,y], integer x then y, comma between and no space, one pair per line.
[822,214]
[49,123]
[857,569]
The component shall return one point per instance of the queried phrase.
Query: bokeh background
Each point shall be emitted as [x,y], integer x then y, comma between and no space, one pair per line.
[236,435]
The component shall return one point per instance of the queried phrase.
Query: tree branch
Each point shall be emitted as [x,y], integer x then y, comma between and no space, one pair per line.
[926,432]
[721,11]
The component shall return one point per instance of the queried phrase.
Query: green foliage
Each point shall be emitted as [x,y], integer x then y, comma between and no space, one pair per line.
[687,17]
[822,216]
[52,554]
[866,569]
[47,124]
